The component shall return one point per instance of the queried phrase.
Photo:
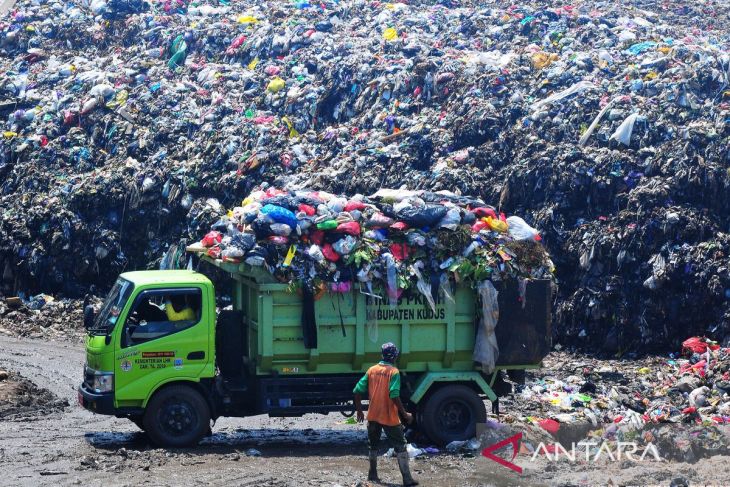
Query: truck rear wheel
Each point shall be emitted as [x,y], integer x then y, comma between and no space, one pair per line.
[451,413]
[177,416]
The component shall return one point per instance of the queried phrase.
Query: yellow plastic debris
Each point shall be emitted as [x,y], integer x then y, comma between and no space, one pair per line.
[247,19]
[292,131]
[290,255]
[542,60]
[276,85]
[119,100]
[497,225]
[252,65]
[390,34]
[9,135]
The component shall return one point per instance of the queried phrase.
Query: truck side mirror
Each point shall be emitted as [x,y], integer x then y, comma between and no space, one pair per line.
[88,316]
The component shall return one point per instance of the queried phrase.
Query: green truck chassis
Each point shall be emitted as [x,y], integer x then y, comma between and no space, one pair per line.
[251,359]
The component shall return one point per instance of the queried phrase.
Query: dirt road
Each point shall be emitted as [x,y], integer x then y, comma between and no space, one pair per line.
[75,447]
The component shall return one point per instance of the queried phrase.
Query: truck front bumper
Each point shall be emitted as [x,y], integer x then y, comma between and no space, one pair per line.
[102,403]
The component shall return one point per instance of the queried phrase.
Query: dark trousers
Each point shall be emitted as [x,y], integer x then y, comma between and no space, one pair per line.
[394,435]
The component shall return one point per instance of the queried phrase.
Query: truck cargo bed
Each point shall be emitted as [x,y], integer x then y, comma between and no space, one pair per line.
[350,327]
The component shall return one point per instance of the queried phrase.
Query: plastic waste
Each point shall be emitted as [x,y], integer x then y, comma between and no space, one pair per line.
[520,230]
[486,349]
[623,133]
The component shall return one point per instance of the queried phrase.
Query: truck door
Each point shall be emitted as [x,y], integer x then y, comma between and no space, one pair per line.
[164,337]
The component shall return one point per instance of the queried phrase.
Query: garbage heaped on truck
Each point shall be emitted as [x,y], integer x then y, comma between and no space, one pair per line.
[301,331]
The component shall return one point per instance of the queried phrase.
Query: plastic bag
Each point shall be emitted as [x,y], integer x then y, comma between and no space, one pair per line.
[337,205]
[330,253]
[280,215]
[427,216]
[232,253]
[422,286]
[479,226]
[416,239]
[355,205]
[316,237]
[243,241]
[256,256]
[278,240]
[345,245]
[497,225]
[281,229]
[315,253]
[445,287]
[327,225]
[276,85]
[307,210]
[399,251]
[451,220]
[392,279]
[486,350]
[350,228]
[520,230]
[211,239]
[622,135]
[378,220]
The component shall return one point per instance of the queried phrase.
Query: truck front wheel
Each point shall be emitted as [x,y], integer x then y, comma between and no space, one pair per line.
[451,413]
[177,416]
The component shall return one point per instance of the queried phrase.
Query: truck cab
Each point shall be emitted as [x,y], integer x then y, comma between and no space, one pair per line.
[160,355]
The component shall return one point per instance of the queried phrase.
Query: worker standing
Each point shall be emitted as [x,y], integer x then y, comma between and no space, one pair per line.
[382,384]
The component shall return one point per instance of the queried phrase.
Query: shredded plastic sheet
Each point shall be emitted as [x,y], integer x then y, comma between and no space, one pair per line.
[578,87]
[423,286]
[486,349]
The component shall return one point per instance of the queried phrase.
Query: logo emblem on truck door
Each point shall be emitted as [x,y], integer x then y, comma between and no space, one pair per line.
[126,365]
[178,363]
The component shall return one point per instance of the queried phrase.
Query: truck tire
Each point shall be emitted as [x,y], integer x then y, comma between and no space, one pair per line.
[177,416]
[451,413]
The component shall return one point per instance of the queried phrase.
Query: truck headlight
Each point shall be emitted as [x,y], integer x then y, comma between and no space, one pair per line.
[103,382]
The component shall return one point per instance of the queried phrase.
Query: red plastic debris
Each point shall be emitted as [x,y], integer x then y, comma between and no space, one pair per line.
[697,345]
[307,210]
[211,238]
[549,425]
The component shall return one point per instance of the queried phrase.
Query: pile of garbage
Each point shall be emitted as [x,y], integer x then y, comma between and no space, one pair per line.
[42,316]
[681,402]
[131,124]
[395,240]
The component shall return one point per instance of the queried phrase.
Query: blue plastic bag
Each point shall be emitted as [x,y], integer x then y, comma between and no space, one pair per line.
[280,215]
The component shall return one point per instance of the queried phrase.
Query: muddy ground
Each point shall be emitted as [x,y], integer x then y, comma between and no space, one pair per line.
[66,445]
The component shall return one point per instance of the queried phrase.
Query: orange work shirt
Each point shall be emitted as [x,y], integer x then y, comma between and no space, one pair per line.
[382,383]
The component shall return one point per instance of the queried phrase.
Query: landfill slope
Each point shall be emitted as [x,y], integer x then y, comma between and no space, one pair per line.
[131,126]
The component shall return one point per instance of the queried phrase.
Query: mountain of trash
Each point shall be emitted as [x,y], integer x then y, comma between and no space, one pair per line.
[130,125]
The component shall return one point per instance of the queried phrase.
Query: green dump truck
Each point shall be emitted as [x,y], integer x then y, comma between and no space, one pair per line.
[159,354]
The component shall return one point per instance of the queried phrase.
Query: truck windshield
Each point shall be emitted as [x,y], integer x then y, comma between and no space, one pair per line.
[112,307]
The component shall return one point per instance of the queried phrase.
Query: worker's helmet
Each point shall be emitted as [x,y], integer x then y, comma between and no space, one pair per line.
[390,352]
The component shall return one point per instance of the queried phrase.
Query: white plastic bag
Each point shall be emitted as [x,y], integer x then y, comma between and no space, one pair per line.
[520,230]
[623,133]
[486,349]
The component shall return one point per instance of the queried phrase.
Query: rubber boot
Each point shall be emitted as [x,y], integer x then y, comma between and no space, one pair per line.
[405,469]
[373,472]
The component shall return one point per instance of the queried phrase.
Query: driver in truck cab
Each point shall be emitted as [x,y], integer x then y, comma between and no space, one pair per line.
[178,309]
[382,385]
